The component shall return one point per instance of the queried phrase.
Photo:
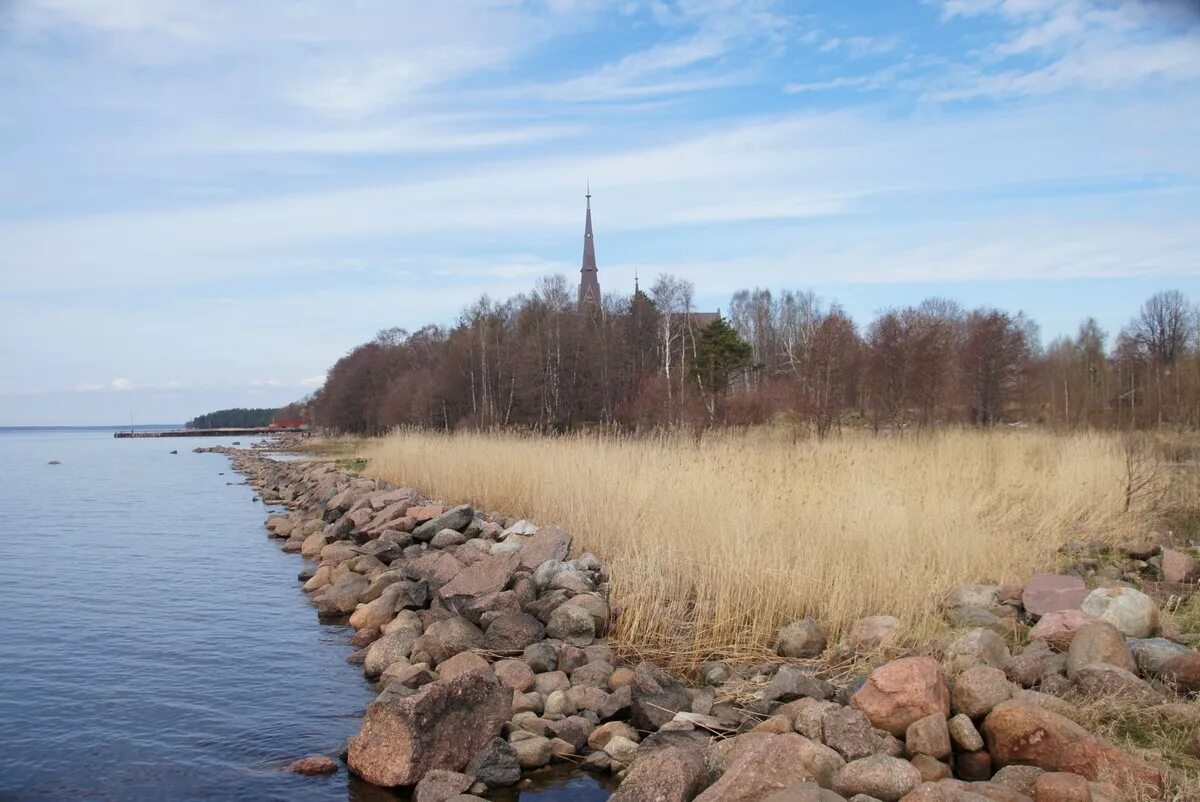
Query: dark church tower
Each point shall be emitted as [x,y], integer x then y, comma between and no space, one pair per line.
[589,280]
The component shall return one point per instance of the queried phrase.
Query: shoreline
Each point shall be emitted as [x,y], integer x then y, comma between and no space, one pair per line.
[487,644]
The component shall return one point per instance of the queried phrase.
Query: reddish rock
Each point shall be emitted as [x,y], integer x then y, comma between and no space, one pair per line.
[1048,593]
[1179,567]
[874,631]
[771,764]
[928,736]
[1058,786]
[1099,760]
[1019,778]
[514,674]
[550,543]
[973,766]
[489,575]
[424,513]
[931,769]
[437,567]
[1020,732]
[903,691]
[1100,642]
[1035,664]
[1058,628]
[1183,672]
[878,776]
[800,639]
[445,638]
[461,663]
[512,632]
[668,774]
[313,765]
[978,690]
[439,786]
[1169,592]
[1109,682]
[441,726]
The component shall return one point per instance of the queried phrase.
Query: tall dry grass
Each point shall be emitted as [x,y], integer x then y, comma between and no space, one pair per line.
[714,543]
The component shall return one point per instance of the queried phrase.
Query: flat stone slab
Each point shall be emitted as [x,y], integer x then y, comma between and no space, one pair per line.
[1049,593]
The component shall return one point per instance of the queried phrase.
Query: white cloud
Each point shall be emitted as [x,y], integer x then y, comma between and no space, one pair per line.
[805,166]
[1053,46]
[121,384]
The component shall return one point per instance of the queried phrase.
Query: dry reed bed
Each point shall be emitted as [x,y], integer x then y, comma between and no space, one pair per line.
[716,542]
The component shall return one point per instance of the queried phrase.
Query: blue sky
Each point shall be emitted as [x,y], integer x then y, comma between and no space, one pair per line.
[205,204]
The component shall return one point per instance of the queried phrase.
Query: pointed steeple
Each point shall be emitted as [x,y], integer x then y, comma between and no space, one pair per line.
[589,280]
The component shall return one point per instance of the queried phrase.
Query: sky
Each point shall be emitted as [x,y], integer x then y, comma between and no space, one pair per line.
[206,204]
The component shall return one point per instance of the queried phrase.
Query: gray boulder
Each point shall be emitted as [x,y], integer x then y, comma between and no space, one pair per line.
[456,518]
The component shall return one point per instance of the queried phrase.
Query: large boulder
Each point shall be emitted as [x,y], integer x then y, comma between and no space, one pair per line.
[571,624]
[377,613]
[849,732]
[1097,759]
[804,792]
[550,543]
[495,765]
[873,632]
[445,638]
[340,597]
[1100,642]
[441,726]
[1023,733]
[674,773]
[1047,593]
[1103,681]
[1059,627]
[770,764]
[880,776]
[513,632]
[1129,610]
[978,690]
[903,691]
[489,575]
[1179,567]
[435,567]
[800,639]
[656,696]
[391,648]
[928,736]
[1151,654]
[455,518]
[974,648]
[792,682]
[1183,672]
[439,785]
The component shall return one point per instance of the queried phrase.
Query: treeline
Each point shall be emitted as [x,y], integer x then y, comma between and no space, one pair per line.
[238,418]
[649,360]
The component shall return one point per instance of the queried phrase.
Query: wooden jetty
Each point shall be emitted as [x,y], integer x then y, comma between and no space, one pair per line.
[208,432]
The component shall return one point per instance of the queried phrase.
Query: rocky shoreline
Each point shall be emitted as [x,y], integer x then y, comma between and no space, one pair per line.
[485,637]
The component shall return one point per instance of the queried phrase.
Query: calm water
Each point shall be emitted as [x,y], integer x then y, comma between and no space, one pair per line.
[154,644]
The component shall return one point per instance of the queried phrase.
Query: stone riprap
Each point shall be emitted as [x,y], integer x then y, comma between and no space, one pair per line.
[484,636]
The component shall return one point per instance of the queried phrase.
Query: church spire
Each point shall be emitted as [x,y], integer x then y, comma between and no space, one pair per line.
[589,280]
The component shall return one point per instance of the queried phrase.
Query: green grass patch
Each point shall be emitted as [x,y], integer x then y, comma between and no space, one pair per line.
[354,465]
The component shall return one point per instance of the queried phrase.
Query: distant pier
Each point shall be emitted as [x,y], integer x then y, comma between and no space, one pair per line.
[208,432]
